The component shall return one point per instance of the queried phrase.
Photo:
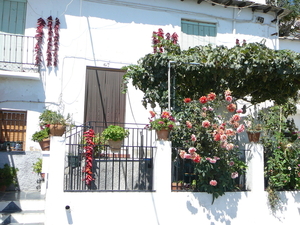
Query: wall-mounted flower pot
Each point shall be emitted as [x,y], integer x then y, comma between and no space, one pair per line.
[57,129]
[163,135]
[115,146]
[253,136]
[45,144]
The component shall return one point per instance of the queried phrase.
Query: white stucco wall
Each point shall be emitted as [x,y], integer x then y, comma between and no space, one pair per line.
[114,34]
[163,207]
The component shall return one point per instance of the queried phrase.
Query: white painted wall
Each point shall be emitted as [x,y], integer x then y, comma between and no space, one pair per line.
[114,34]
[163,207]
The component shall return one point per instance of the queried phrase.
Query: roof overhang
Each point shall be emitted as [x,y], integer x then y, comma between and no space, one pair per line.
[280,12]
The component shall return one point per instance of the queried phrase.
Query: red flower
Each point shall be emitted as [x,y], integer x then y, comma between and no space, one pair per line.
[203,99]
[211,96]
[197,159]
[231,107]
[187,100]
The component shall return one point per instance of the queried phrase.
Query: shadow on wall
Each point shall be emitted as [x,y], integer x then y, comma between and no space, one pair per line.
[224,208]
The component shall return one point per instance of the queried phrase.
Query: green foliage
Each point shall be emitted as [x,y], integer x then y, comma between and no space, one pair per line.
[251,69]
[40,135]
[8,175]
[37,166]
[53,117]
[115,133]
[214,143]
[281,150]
[287,24]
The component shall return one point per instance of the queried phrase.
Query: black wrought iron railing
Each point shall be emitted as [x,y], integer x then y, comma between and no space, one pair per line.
[17,53]
[131,169]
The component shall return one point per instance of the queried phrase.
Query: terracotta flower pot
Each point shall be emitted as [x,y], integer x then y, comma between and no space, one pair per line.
[57,129]
[253,137]
[163,134]
[45,144]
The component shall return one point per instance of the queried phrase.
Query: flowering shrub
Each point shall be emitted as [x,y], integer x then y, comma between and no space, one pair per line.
[209,133]
[164,122]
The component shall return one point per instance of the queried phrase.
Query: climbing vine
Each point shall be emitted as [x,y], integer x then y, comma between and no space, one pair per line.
[247,69]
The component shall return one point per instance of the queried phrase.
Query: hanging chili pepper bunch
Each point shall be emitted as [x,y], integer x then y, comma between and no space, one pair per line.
[89,149]
[39,37]
[49,40]
[56,42]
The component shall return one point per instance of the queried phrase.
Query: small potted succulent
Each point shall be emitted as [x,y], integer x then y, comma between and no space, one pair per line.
[42,137]
[55,121]
[115,135]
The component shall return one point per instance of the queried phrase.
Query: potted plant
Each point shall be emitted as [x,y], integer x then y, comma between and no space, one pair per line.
[37,168]
[177,185]
[8,176]
[55,121]
[115,135]
[163,125]
[42,137]
[253,128]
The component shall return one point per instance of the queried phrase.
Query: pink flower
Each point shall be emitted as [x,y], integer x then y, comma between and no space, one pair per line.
[240,128]
[165,114]
[229,146]
[234,175]
[182,153]
[193,137]
[236,117]
[228,98]
[187,156]
[211,96]
[231,107]
[239,111]
[192,150]
[227,92]
[210,108]
[197,159]
[231,163]
[205,124]
[188,124]
[223,137]
[212,161]
[152,114]
[216,158]
[161,122]
[204,108]
[229,132]
[213,182]
[217,137]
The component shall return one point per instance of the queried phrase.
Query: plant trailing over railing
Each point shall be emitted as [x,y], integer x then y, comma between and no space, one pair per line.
[208,129]
[89,151]
[247,69]
[281,150]
[39,37]
[56,42]
[49,41]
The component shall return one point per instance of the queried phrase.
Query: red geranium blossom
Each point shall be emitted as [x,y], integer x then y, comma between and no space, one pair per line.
[203,99]
[187,100]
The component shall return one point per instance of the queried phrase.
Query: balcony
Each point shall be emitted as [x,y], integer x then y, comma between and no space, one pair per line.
[17,56]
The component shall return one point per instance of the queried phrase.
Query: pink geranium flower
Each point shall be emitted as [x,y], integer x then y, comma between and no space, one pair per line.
[188,124]
[240,128]
[193,137]
[192,150]
[205,124]
[213,183]
[234,175]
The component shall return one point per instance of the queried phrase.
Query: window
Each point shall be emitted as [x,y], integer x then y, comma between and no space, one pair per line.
[197,33]
[12,16]
[12,130]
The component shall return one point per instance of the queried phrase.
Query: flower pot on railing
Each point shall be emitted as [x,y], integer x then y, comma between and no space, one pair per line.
[45,144]
[163,134]
[253,136]
[57,129]
[115,146]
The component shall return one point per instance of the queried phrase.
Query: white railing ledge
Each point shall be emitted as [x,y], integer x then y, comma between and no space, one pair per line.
[20,75]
